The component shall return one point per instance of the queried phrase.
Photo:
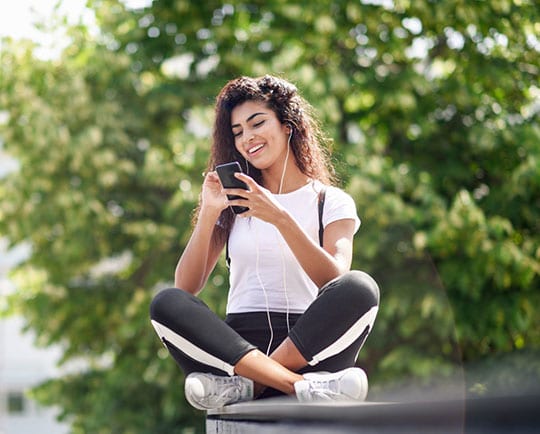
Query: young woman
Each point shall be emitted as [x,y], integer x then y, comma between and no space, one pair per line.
[296,315]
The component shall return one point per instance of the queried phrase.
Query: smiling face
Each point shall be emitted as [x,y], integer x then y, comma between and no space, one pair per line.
[258,134]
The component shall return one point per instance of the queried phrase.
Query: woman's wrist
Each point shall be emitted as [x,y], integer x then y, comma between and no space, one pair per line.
[283,220]
[209,214]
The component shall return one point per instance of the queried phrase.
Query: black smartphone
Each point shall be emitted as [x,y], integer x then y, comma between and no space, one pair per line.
[228,180]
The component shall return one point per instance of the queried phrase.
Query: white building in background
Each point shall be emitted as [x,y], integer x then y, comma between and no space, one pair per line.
[22,366]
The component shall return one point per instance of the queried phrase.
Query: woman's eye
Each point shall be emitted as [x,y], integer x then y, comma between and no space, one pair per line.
[237,134]
[258,124]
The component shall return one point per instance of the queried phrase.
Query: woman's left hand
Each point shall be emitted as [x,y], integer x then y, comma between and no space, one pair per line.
[259,200]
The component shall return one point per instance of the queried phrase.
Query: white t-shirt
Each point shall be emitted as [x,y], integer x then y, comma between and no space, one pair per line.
[264,273]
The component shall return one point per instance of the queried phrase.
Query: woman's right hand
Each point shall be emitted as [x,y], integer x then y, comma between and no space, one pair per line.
[212,196]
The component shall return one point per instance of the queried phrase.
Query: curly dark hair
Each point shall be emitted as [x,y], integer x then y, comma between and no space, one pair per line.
[308,145]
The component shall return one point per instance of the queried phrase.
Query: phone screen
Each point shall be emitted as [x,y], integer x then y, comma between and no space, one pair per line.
[228,180]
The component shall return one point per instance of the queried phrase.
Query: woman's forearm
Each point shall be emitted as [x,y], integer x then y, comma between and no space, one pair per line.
[199,256]
[320,265]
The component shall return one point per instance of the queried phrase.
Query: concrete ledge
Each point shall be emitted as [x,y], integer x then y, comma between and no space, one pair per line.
[511,414]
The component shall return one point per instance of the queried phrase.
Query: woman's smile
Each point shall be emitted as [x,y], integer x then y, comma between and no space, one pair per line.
[255,150]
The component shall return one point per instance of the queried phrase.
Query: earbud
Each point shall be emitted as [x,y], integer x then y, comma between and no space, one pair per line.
[290,130]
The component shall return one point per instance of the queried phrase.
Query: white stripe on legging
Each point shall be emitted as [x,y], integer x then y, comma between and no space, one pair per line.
[348,338]
[191,350]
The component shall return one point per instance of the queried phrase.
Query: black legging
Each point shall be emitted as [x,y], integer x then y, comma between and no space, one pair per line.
[329,334]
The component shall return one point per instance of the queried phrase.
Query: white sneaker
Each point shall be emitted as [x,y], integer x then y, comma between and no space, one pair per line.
[208,391]
[349,384]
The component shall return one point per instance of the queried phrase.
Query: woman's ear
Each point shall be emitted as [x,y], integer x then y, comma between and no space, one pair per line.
[289,129]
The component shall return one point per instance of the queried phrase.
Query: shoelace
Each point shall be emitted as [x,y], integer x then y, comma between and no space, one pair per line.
[225,389]
[324,388]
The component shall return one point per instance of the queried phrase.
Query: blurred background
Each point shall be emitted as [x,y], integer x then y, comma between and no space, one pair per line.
[106,109]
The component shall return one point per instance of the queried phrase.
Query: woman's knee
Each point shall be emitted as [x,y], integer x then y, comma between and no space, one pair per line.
[360,287]
[166,302]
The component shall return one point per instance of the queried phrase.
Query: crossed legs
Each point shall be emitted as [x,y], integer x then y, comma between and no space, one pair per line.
[201,342]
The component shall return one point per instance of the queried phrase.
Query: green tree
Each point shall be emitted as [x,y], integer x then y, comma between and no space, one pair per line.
[433,108]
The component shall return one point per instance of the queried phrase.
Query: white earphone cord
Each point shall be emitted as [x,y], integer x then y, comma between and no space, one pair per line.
[284,274]
[284,281]
[264,291]
[285,163]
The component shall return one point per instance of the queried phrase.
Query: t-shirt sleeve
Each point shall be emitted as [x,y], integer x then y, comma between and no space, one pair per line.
[339,205]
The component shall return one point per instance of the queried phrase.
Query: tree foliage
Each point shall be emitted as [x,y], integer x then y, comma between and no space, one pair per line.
[433,108]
